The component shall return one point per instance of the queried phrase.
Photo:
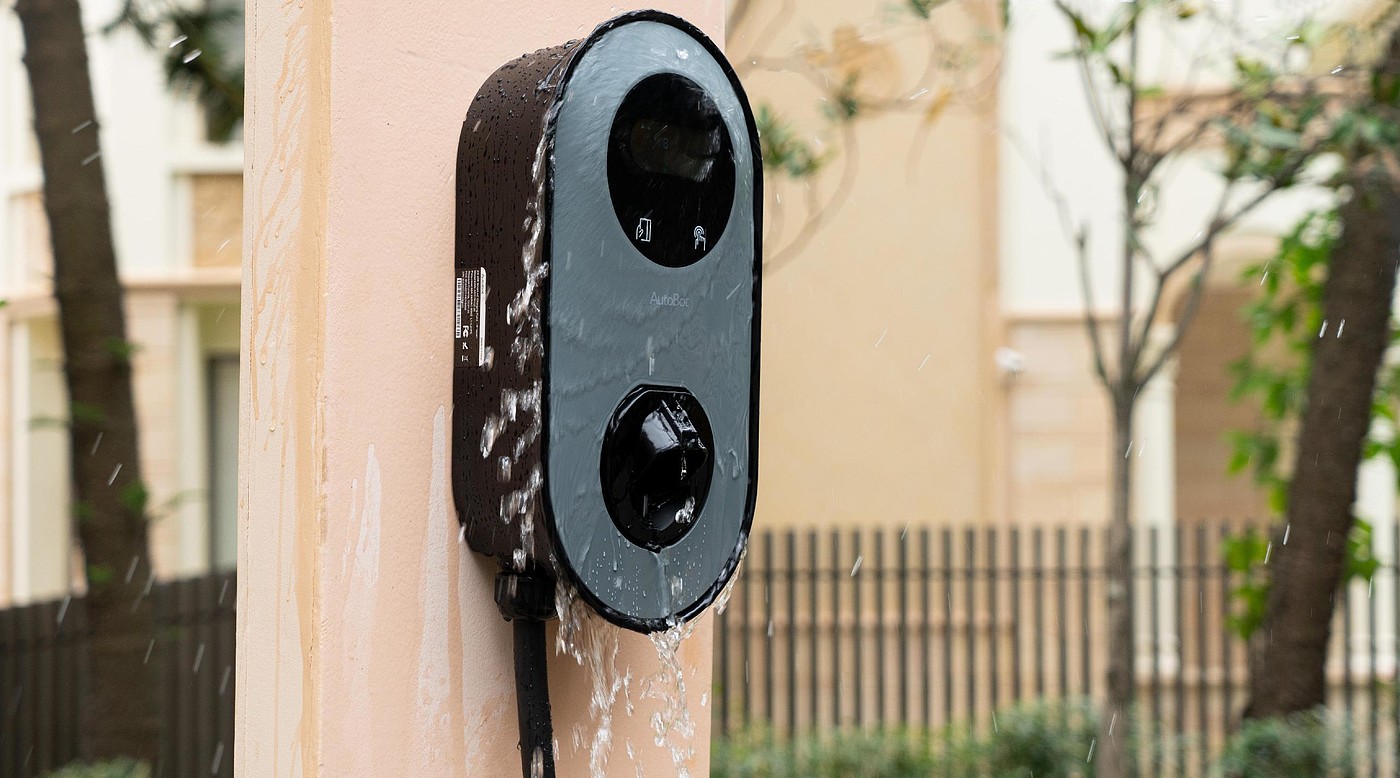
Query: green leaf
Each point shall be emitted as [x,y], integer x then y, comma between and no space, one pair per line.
[134,497]
[121,349]
[783,151]
[1081,26]
[86,413]
[82,511]
[923,8]
[99,576]
[1275,137]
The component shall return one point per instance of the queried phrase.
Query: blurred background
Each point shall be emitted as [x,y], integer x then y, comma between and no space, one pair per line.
[1053,277]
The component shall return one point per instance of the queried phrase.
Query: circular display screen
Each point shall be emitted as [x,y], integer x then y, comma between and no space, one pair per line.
[670,169]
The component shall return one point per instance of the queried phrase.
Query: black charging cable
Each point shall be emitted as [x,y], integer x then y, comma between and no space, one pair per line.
[526,600]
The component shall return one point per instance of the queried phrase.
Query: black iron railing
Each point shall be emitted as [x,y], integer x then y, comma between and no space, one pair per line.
[928,629]
[937,629]
[43,674]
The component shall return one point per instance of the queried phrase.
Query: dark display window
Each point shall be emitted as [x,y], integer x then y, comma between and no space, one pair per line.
[671,170]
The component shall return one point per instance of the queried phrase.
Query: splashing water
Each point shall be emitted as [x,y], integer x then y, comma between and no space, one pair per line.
[727,593]
[594,646]
[672,723]
[582,635]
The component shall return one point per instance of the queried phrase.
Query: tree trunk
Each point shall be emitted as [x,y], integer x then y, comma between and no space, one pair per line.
[1290,648]
[1115,758]
[109,497]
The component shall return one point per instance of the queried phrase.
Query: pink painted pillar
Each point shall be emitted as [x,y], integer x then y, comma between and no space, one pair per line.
[368,643]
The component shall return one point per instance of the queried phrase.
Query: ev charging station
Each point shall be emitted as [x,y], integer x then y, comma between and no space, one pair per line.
[606,323]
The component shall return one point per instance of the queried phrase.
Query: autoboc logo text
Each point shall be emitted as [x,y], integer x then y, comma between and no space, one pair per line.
[670,300]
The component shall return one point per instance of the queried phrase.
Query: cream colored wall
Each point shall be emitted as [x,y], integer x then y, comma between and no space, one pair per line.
[217,210]
[368,640]
[880,402]
[1205,490]
[45,447]
[150,151]
[153,325]
[1059,424]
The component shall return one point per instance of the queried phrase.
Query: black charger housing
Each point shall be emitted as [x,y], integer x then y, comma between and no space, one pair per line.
[606,319]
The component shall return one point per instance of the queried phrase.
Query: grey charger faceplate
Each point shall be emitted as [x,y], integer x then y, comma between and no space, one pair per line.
[607,319]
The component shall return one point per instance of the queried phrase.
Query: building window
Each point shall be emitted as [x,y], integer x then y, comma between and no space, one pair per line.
[223,462]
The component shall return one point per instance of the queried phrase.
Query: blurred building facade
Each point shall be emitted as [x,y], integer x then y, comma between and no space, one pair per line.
[924,354]
[176,203]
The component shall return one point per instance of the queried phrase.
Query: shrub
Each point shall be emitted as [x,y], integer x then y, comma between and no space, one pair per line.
[117,768]
[756,754]
[1046,739]
[1042,739]
[1303,745]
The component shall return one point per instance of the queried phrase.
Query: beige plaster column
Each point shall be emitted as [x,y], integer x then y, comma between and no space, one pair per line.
[368,641]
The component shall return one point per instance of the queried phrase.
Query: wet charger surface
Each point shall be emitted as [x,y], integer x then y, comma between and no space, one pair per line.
[636,305]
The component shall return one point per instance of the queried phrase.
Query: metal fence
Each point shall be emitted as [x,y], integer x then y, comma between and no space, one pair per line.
[920,629]
[931,629]
[43,674]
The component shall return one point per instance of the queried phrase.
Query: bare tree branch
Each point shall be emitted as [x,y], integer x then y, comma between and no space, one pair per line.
[1096,109]
[1128,353]
[1164,275]
[827,209]
[1188,314]
[1222,223]
[742,65]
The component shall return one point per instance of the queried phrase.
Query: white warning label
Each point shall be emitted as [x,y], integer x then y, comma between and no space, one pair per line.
[471,317]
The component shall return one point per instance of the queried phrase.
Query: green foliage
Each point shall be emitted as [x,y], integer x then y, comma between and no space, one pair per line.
[99,576]
[1284,321]
[1093,40]
[1360,562]
[134,497]
[1245,557]
[923,8]
[783,150]
[117,768]
[757,754]
[1042,739]
[123,350]
[197,42]
[82,511]
[1286,317]
[844,105]
[1302,745]
[86,414]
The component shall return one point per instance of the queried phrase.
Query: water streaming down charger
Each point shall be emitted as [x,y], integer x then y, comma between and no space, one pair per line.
[534,429]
